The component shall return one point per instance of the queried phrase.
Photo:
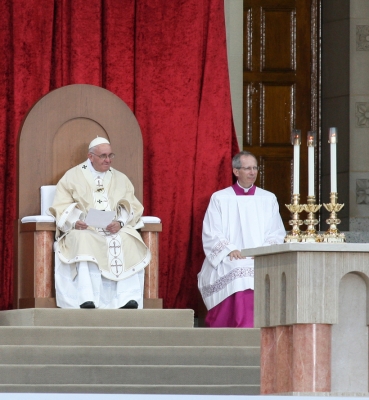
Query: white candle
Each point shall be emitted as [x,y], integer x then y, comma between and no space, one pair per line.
[311,170]
[333,168]
[333,142]
[296,169]
[296,141]
[311,142]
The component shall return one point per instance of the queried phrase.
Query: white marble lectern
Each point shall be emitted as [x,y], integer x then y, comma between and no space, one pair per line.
[311,303]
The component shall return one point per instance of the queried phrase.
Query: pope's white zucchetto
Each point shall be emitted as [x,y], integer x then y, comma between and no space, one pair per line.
[97,141]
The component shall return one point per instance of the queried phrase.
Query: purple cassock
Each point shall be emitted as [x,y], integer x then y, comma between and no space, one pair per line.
[237,310]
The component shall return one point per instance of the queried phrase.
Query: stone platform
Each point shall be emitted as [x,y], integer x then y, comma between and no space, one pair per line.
[124,351]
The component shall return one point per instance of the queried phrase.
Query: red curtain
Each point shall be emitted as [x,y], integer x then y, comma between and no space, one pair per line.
[167,60]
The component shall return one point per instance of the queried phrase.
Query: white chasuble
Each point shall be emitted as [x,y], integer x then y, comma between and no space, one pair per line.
[117,256]
[232,223]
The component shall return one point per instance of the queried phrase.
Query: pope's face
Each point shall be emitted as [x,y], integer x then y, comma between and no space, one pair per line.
[100,164]
[248,172]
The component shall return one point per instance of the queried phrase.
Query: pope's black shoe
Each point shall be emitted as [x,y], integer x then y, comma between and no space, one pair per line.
[87,304]
[131,304]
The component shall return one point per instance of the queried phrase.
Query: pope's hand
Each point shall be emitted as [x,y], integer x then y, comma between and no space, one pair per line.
[80,225]
[113,227]
[235,254]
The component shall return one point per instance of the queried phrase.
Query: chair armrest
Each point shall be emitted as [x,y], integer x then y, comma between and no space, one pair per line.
[37,227]
[37,218]
[47,223]
[150,220]
[152,224]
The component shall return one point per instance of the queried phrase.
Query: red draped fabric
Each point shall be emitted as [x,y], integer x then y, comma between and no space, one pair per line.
[167,60]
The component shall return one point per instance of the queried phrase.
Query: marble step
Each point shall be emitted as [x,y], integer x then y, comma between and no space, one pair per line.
[131,355]
[113,336]
[244,390]
[128,374]
[105,318]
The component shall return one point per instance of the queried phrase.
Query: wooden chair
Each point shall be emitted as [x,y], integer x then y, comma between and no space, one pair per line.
[53,138]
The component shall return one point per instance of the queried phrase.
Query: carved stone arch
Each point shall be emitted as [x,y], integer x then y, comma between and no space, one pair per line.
[349,363]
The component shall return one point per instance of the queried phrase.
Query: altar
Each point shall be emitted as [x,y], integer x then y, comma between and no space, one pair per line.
[311,305]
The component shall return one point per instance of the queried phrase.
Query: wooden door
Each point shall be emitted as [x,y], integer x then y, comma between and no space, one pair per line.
[281,90]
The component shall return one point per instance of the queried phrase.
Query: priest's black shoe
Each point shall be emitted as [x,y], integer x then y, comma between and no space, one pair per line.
[131,304]
[88,304]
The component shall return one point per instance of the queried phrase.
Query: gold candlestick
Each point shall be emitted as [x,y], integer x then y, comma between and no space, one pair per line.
[295,208]
[311,208]
[333,235]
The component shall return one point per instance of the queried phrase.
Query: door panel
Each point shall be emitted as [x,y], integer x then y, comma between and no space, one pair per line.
[277,39]
[276,113]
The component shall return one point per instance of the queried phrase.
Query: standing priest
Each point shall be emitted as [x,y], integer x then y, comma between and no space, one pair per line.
[238,217]
[98,267]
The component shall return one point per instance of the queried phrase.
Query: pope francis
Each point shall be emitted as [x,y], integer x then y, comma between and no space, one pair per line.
[98,267]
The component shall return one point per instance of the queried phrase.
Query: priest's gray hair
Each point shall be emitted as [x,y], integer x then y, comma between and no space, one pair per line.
[236,160]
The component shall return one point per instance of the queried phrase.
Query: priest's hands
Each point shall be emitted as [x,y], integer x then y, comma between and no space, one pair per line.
[235,254]
[113,227]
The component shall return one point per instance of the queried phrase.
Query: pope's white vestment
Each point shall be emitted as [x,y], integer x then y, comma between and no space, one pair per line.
[232,223]
[92,264]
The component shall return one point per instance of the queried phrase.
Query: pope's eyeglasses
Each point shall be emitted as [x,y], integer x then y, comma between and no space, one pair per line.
[104,156]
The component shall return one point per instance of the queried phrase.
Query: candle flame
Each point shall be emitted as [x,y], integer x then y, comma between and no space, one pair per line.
[311,138]
[333,135]
[296,137]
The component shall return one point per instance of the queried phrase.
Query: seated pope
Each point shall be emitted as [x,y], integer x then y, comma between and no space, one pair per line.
[98,267]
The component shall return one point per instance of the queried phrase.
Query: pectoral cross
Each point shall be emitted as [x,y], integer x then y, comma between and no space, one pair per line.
[99,183]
